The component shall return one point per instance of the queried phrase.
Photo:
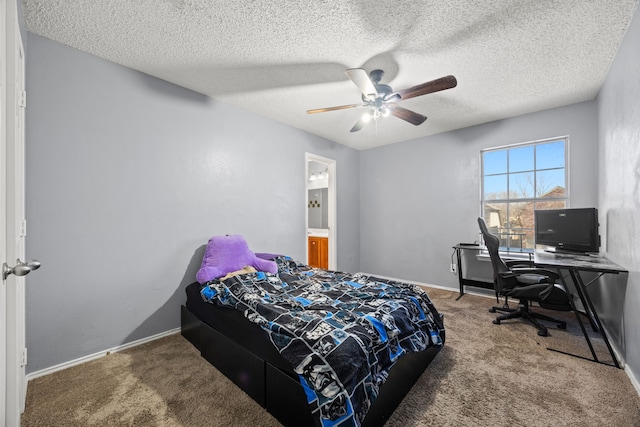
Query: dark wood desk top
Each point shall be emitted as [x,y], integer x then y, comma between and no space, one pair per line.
[469,246]
[595,263]
[513,253]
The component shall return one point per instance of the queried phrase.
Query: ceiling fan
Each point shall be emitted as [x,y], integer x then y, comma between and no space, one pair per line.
[382,101]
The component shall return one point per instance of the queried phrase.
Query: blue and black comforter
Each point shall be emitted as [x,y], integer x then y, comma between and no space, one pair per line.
[341,332]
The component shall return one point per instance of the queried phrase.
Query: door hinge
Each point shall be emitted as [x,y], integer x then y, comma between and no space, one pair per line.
[23,357]
[22,101]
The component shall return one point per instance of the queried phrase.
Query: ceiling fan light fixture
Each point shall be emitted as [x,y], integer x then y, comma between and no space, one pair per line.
[381,101]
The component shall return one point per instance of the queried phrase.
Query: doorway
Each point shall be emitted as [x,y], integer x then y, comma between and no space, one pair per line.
[321,212]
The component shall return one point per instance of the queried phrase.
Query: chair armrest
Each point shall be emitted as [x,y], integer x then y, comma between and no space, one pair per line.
[541,271]
[514,263]
[507,274]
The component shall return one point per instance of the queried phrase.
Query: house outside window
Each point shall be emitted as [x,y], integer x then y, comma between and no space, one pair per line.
[518,179]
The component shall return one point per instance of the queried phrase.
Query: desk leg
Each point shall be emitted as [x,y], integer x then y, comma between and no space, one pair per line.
[459,263]
[584,331]
[581,290]
[586,300]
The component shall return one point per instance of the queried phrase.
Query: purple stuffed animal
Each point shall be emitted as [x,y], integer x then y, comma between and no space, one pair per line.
[226,254]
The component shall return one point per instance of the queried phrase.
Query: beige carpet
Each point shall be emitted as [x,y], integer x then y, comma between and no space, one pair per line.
[486,375]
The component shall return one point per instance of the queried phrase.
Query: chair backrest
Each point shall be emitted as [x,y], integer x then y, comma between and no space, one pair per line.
[493,246]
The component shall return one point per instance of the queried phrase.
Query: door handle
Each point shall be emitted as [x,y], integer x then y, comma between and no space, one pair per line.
[20,269]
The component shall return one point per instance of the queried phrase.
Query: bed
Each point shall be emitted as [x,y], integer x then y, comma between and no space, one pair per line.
[315,347]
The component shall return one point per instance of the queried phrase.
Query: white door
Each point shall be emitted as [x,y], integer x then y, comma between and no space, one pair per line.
[12,219]
[3,253]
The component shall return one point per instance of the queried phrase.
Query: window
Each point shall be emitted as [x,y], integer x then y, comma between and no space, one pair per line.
[518,179]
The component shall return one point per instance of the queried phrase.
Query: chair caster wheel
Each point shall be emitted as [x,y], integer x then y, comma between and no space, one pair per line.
[542,333]
[492,310]
[496,322]
[562,326]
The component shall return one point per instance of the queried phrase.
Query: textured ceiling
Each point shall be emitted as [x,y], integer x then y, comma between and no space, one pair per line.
[280,58]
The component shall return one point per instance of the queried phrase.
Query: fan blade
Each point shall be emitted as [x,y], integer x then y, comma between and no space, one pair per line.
[359,125]
[362,80]
[437,85]
[408,115]
[341,107]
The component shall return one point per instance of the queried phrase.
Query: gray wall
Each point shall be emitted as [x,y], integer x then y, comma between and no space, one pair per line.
[127,178]
[619,149]
[419,198]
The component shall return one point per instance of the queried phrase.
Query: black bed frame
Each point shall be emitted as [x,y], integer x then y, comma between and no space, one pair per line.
[278,390]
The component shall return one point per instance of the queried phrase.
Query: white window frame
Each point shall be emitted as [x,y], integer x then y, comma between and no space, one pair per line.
[534,199]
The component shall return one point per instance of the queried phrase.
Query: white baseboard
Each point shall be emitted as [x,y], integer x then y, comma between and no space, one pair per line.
[446,288]
[633,378]
[477,291]
[100,354]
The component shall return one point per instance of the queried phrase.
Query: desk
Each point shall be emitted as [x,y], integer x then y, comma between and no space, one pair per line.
[460,248]
[468,282]
[574,264]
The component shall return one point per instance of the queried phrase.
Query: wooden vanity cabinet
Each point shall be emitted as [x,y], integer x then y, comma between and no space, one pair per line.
[319,252]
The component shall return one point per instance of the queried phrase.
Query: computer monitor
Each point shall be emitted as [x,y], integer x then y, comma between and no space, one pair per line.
[571,230]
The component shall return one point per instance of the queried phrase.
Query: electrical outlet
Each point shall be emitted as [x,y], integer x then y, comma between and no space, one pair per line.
[453,268]
[23,357]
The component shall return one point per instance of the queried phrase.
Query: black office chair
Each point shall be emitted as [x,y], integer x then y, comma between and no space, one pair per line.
[525,284]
